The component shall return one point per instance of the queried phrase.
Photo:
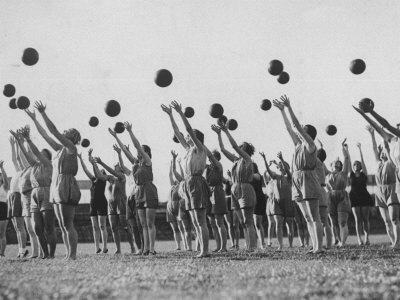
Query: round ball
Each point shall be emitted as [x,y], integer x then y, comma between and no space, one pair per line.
[275,67]
[331,130]
[266,104]
[23,102]
[175,139]
[85,143]
[283,78]
[189,112]
[232,124]
[366,105]
[119,127]
[216,110]
[223,119]
[9,90]
[113,108]
[94,121]
[13,103]
[163,78]
[30,57]
[357,66]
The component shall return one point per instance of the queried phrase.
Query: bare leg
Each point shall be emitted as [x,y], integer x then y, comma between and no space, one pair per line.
[115,232]
[249,227]
[344,229]
[365,211]
[103,230]
[3,241]
[213,223]
[358,222]
[271,228]
[200,215]
[96,232]
[38,226]
[68,214]
[290,230]
[177,237]
[188,233]
[57,211]
[182,235]
[394,216]
[231,231]
[259,230]
[326,226]
[150,218]
[388,223]
[240,217]
[222,232]
[127,229]
[33,237]
[279,230]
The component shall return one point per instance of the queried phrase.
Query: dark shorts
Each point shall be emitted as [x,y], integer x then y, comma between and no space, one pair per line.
[117,206]
[282,207]
[131,208]
[14,205]
[3,211]
[98,208]
[338,203]
[261,205]
[40,200]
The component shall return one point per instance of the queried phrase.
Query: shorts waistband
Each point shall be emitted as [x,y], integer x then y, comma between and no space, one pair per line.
[323,184]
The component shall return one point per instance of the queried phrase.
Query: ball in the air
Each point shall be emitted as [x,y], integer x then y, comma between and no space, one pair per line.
[232,124]
[13,103]
[223,119]
[113,108]
[175,139]
[23,102]
[366,105]
[331,130]
[266,104]
[357,66]
[119,127]
[85,143]
[94,121]
[189,112]
[216,110]
[30,57]
[163,78]
[275,67]
[9,90]
[283,78]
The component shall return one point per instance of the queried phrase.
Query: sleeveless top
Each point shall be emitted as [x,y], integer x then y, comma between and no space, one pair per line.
[257,185]
[97,190]
[145,189]
[282,188]
[14,183]
[242,171]
[25,180]
[174,193]
[386,173]
[214,175]
[3,194]
[303,160]
[358,189]
[195,162]
[337,181]
[320,171]
[41,175]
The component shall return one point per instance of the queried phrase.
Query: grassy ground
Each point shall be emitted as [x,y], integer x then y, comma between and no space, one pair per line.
[353,273]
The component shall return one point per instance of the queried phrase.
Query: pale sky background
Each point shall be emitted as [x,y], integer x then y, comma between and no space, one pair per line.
[217,51]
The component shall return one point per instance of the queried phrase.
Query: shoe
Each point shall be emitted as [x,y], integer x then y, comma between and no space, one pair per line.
[153,252]
[105,250]
[98,251]
[24,254]
[146,253]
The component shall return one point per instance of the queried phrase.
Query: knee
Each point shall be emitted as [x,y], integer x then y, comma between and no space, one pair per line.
[102,227]
[220,223]
[95,227]
[343,223]
[395,221]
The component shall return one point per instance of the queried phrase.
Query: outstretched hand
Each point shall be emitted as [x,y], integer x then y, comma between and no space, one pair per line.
[177,106]
[116,149]
[263,155]
[97,160]
[12,140]
[359,146]
[279,155]
[278,104]
[24,131]
[370,129]
[31,114]
[1,164]
[174,154]
[112,132]
[166,109]
[128,126]
[285,100]
[216,129]
[39,106]
[222,126]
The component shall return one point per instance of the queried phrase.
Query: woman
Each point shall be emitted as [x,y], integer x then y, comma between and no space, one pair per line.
[269,208]
[14,201]
[215,178]
[116,198]
[361,201]
[387,176]
[43,217]
[64,190]
[261,205]
[242,190]
[306,190]
[197,192]
[339,204]
[231,217]
[98,206]
[146,195]
[282,206]
[4,187]
[173,207]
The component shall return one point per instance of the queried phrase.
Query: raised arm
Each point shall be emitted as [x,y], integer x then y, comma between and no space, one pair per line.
[364,167]
[25,133]
[126,151]
[180,168]
[310,145]
[229,155]
[289,128]
[270,173]
[121,161]
[233,143]
[5,178]
[178,134]
[52,143]
[173,167]
[29,159]
[385,135]
[108,169]
[346,161]
[139,148]
[53,129]
[387,150]
[385,123]
[212,159]
[374,145]
[285,165]
[14,154]
[96,170]
[85,169]
[18,153]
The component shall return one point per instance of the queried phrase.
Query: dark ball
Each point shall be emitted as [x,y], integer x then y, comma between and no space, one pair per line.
[232,124]
[216,110]
[283,78]
[175,139]
[119,127]
[94,121]
[357,66]
[113,108]
[85,143]
[163,78]
[23,102]
[366,105]
[13,103]
[275,67]
[331,130]
[189,112]
[9,90]
[30,57]
[266,104]
[223,119]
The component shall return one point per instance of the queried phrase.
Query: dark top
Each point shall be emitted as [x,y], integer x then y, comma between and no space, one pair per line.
[97,191]
[359,195]
[261,201]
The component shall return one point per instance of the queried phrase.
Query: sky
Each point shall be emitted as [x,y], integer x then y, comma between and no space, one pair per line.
[218,52]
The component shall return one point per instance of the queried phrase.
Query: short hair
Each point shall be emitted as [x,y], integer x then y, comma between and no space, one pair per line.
[199,135]
[48,152]
[147,149]
[216,154]
[311,131]
[248,148]
[321,154]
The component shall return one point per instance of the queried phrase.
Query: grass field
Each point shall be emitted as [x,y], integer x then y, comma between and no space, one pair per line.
[353,273]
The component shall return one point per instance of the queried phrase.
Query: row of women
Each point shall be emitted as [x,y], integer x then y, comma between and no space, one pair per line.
[307,194]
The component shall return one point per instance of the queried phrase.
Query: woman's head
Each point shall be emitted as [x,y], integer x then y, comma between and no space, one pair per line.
[337,165]
[73,135]
[46,153]
[357,167]
[248,148]
[282,167]
[118,168]
[311,131]
[146,149]
[216,154]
